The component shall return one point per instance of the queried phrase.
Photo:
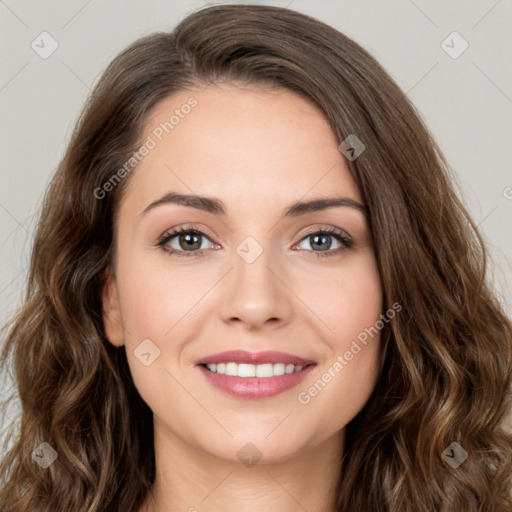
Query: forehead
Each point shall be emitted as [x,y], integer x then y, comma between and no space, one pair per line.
[243,143]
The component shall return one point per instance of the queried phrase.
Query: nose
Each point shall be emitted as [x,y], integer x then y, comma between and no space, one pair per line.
[256,294]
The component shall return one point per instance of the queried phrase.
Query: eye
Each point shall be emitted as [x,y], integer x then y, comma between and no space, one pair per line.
[321,239]
[187,243]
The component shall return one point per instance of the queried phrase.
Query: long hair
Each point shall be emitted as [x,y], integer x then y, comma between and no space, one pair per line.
[445,362]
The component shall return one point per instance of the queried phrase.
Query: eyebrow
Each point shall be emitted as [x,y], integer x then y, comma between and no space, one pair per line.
[217,207]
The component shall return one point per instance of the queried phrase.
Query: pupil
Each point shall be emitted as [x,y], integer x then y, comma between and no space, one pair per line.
[323,238]
[188,240]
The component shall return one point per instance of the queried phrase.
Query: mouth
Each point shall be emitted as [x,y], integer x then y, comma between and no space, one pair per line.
[254,375]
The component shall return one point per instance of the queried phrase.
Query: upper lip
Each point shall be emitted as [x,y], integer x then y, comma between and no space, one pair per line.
[242,356]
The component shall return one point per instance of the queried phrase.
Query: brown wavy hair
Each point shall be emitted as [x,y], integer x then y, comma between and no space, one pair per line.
[445,362]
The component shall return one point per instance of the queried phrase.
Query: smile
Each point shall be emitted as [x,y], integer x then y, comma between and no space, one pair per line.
[253,370]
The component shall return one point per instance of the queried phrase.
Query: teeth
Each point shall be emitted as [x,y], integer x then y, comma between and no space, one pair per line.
[253,370]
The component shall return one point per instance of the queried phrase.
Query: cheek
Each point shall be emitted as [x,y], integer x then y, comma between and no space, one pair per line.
[161,302]
[361,303]
[156,294]
[352,308]
[358,323]
[348,301]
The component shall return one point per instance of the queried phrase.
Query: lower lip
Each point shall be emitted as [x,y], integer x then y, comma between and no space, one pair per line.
[255,387]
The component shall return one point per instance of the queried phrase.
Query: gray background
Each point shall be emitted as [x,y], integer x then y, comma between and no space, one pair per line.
[465,101]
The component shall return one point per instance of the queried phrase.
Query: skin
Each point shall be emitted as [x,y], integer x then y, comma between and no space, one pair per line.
[258,150]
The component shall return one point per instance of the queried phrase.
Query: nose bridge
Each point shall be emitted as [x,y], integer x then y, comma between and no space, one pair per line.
[253,262]
[255,294]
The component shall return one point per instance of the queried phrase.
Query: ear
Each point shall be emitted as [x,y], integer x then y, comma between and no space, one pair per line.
[112,320]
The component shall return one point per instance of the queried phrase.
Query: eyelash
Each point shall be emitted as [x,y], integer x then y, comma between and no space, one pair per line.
[346,242]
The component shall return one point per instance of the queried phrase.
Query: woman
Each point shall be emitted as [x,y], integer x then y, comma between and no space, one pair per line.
[254,288]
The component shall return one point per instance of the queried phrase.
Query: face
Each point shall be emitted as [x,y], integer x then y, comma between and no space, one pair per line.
[247,272]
